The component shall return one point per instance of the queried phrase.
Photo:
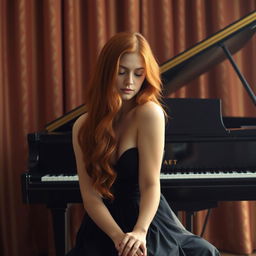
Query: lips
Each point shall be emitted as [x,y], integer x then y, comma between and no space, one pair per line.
[127,90]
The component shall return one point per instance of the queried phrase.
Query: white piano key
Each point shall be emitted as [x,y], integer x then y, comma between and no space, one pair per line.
[59,178]
[166,176]
[208,175]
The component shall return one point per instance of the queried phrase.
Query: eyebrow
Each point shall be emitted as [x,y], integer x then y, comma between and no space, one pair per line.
[128,68]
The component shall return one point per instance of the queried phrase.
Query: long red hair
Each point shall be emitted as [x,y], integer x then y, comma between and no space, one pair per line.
[96,136]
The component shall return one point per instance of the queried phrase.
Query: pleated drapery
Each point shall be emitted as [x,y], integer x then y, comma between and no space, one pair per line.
[47,51]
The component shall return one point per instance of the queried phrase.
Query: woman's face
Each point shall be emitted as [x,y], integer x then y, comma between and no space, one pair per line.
[131,75]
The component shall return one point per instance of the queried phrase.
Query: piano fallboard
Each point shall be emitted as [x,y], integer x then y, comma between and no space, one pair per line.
[181,152]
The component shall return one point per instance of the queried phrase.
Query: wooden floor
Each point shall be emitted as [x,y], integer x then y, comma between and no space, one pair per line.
[230,254]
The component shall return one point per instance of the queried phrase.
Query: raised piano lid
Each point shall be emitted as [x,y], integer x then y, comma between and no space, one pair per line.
[187,65]
[193,62]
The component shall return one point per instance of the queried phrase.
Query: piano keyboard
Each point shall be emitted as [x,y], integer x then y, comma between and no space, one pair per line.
[165,176]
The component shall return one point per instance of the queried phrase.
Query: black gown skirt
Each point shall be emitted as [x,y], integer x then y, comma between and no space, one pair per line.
[166,235]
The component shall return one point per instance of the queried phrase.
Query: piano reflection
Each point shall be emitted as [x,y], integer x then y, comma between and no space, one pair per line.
[205,161]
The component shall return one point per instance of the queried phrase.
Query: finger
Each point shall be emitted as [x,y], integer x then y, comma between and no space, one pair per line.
[143,249]
[128,247]
[140,252]
[122,245]
[135,249]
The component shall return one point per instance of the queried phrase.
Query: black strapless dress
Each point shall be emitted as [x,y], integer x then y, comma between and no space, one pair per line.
[166,235]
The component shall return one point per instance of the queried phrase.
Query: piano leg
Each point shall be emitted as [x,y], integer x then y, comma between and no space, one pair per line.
[189,220]
[190,208]
[59,228]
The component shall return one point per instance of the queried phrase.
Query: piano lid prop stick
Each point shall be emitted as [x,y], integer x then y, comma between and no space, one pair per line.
[242,78]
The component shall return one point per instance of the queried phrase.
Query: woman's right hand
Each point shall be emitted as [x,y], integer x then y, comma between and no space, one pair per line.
[130,244]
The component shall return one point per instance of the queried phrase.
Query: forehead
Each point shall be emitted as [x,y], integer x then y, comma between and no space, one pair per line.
[132,60]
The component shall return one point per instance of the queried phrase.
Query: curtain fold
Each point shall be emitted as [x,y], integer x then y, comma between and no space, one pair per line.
[47,52]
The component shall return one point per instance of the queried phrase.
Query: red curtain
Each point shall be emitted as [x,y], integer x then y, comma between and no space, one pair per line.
[47,51]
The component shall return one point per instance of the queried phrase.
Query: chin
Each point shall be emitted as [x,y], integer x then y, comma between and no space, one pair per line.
[127,97]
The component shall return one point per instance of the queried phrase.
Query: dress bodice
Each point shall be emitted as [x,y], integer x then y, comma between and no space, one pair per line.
[126,167]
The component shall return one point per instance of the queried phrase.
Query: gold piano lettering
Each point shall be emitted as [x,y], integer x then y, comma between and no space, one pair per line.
[170,161]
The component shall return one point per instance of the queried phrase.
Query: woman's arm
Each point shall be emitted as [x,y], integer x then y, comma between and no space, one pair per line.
[92,200]
[151,133]
[151,124]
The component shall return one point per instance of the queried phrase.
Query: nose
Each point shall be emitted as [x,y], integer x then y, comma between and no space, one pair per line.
[129,80]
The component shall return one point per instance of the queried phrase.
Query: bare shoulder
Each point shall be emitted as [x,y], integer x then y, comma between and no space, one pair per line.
[149,112]
[78,123]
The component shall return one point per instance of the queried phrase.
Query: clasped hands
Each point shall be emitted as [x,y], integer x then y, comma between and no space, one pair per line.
[131,244]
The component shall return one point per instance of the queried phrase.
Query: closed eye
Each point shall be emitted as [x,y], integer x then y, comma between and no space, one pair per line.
[139,75]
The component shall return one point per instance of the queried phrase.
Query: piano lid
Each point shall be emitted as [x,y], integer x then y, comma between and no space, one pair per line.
[193,62]
[189,64]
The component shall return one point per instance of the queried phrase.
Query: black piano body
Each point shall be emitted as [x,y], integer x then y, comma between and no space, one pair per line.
[208,158]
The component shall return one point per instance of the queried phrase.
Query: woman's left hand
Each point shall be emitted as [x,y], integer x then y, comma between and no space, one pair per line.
[133,244]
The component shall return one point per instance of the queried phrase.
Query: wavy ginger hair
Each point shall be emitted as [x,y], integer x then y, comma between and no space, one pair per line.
[96,136]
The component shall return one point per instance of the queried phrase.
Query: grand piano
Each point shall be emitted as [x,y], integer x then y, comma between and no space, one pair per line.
[208,158]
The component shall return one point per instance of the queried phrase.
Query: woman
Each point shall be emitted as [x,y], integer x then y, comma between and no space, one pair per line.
[119,145]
